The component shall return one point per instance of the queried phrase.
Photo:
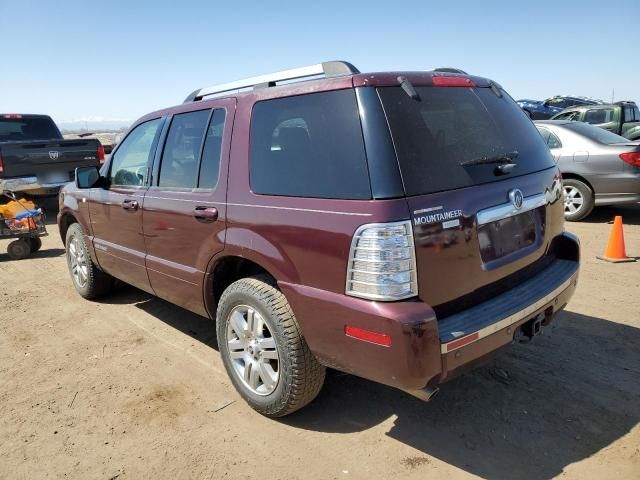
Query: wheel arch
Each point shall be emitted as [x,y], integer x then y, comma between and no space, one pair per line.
[575,176]
[223,271]
[66,220]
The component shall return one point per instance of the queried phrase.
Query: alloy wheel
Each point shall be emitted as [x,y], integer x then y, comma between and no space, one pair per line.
[252,350]
[78,263]
[573,199]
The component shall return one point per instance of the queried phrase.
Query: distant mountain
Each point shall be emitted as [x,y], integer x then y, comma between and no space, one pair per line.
[94,124]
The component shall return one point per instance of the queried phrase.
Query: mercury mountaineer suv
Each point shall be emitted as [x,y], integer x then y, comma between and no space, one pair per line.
[399,226]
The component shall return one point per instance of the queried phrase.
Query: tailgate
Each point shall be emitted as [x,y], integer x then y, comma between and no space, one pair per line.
[50,161]
[483,190]
[473,243]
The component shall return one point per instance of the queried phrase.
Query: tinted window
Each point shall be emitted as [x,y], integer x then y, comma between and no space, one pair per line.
[129,162]
[631,114]
[210,166]
[598,116]
[181,155]
[452,125]
[628,114]
[309,146]
[596,133]
[21,129]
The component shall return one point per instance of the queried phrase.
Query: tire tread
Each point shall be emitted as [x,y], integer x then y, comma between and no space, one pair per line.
[307,374]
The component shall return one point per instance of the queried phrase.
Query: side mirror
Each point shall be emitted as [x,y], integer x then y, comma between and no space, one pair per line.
[87,177]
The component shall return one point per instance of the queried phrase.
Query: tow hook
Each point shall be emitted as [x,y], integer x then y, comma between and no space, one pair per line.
[529,329]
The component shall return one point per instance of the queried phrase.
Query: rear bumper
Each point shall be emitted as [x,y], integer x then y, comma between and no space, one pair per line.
[424,350]
[30,185]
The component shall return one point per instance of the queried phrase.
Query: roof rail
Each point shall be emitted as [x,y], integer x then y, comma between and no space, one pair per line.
[325,69]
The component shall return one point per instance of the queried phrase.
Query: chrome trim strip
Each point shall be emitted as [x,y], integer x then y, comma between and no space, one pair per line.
[511,319]
[300,209]
[507,210]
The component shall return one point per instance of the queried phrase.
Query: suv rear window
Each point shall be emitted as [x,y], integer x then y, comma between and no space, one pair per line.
[447,126]
[309,146]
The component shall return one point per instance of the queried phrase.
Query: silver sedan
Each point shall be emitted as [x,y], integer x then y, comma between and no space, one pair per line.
[598,167]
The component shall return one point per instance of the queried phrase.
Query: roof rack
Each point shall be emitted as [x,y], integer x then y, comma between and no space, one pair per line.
[320,70]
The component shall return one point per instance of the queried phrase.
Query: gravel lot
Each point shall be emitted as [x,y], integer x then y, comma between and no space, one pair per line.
[133,387]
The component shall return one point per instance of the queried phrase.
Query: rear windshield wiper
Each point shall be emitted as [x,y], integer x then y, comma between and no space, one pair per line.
[501,158]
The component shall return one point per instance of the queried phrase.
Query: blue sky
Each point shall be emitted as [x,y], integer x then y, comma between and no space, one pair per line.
[121,59]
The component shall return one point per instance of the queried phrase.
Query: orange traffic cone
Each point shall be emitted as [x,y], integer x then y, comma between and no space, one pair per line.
[615,251]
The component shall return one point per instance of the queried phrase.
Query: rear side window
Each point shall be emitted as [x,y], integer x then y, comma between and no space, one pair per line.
[309,146]
[549,138]
[448,126]
[598,116]
[181,155]
[554,142]
[210,165]
[631,114]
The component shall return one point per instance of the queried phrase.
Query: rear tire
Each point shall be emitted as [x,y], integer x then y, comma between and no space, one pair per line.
[19,249]
[89,280]
[578,200]
[263,350]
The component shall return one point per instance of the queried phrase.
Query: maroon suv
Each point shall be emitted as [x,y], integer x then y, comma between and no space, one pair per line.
[398,226]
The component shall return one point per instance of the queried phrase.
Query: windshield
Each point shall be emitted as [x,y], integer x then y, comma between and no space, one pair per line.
[27,128]
[436,137]
[596,134]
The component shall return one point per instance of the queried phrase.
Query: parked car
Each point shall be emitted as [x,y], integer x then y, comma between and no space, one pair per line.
[598,167]
[544,109]
[397,226]
[34,157]
[621,118]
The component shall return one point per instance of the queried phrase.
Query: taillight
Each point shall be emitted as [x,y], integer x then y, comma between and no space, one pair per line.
[12,115]
[1,165]
[101,154]
[444,81]
[632,158]
[382,262]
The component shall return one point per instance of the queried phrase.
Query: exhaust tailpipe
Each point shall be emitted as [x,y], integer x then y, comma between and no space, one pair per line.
[425,394]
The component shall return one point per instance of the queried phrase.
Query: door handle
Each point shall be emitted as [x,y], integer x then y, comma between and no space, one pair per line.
[131,205]
[205,214]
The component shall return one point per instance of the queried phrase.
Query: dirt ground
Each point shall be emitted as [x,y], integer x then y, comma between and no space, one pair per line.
[133,387]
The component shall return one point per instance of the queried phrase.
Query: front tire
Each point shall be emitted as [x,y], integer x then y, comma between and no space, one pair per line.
[578,200]
[89,280]
[263,350]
